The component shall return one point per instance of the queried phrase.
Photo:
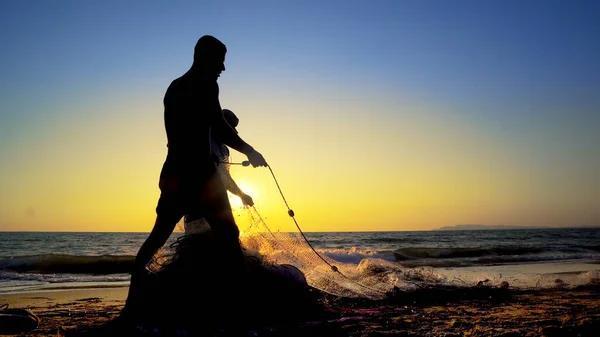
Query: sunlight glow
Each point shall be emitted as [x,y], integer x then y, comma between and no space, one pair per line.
[249,189]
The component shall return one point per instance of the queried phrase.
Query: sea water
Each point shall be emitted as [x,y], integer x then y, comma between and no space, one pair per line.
[33,261]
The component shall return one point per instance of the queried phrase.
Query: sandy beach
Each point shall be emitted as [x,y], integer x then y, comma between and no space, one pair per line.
[478,311]
[69,309]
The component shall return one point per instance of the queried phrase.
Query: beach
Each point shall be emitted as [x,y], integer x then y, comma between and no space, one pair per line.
[477,311]
[69,309]
[469,283]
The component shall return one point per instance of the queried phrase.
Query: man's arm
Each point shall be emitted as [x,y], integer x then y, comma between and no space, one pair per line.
[234,188]
[225,134]
[229,182]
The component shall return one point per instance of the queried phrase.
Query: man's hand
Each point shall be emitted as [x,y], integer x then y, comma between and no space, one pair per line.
[256,159]
[247,200]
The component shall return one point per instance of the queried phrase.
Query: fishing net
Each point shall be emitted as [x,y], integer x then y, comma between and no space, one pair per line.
[271,233]
[270,229]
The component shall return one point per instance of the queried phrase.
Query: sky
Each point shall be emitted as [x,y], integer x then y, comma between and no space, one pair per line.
[374,115]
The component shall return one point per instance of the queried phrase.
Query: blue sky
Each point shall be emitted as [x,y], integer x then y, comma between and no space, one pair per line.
[509,86]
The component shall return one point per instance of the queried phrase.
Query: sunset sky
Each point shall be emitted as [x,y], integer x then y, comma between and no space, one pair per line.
[374,115]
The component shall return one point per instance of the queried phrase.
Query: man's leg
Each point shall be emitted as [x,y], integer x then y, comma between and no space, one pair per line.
[169,212]
[163,228]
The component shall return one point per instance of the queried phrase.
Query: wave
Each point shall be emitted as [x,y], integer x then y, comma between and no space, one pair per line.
[379,269]
[355,255]
[413,253]
[462,256]
[379,274]
[471,256]
[407,257]
[494,261]
[71,264]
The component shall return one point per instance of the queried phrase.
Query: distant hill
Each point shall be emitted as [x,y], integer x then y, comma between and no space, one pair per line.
[471,227]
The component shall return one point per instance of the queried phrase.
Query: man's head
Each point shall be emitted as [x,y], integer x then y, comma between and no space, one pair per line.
[231,118]
[209,55]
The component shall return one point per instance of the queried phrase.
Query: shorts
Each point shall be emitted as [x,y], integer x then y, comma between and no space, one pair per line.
[194,197]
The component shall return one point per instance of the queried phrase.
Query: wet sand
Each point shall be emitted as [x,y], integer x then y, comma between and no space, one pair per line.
[478,311]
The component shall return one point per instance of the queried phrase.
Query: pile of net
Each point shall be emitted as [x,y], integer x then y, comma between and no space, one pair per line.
[192,286]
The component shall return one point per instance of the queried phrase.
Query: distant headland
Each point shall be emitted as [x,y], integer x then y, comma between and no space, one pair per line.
[471,227]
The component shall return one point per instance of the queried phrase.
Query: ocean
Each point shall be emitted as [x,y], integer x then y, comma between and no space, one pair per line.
[34,261]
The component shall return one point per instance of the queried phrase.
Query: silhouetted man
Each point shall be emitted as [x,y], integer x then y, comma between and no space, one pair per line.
[189,182]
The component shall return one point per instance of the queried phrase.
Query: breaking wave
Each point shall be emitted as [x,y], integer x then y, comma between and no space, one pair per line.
[68,264]
[407,257]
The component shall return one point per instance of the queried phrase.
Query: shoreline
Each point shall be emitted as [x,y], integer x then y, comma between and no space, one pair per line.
[66,286]
[573,273]
[41,298]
